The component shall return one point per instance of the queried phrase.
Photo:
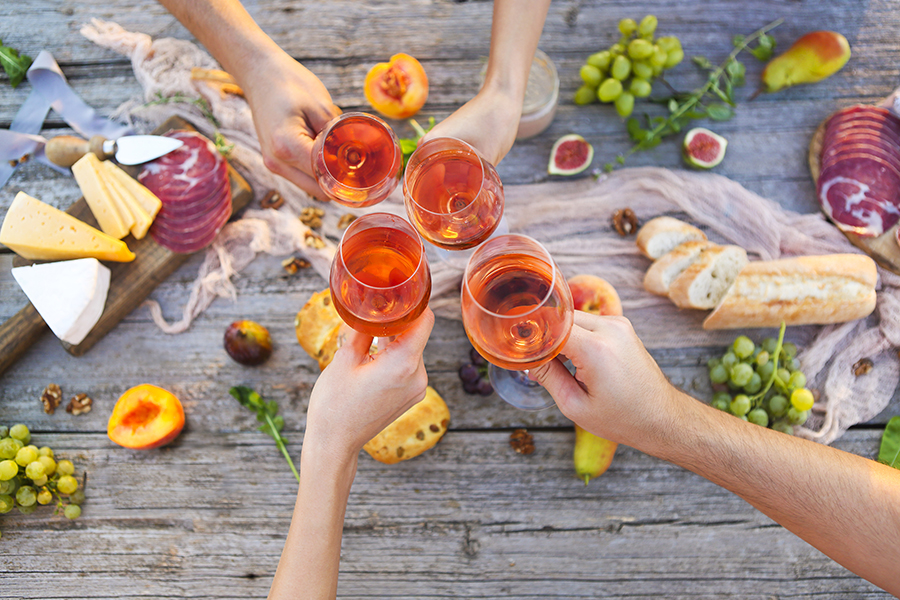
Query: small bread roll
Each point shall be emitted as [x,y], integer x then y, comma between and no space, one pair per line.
[318,328]
[663,272]
[414,432]
[703,284]
[662,234]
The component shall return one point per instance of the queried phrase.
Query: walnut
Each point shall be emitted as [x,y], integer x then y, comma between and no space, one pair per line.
[313,241]
[13,163]
[863,367]
[625,221]
[294,264]
[51,397]
[521,441]
[345,220]
[311,216]
[272,200]
[79,405]
[24,159]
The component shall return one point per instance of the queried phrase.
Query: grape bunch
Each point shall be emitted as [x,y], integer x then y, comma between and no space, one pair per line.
[30,476]
[474,375]
[741,376]
[638,56]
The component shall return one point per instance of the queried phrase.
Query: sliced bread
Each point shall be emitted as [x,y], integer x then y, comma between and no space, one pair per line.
[704,283]
[663,272]
[662,234]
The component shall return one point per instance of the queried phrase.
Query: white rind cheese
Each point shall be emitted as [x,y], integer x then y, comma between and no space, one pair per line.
[69,295]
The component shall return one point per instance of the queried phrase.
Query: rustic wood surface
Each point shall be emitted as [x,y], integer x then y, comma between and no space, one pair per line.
[206,517]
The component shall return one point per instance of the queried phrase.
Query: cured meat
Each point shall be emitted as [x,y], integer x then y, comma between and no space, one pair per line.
[865,111]
[880,156]
[186,244]
[190,172]
[861,195]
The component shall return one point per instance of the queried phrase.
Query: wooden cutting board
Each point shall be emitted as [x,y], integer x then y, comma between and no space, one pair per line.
[883,249]
[130,283]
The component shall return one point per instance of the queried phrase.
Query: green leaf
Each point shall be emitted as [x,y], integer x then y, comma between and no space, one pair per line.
[722,95]
[889,453]
[620,159]
[635,131]
[673,105]
[738,40]
[765,49]
[719,112]
[408,146]
[608,167]
[702,62]
[736,71]
[15,64]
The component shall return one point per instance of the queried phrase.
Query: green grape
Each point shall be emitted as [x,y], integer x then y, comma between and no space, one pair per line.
[601,59]
[642,70]
[627,26]
[721,404]
[648,25]
[20,432]
[674,57]
[740,406]
[762,358]
[609,90]
[659,57]
[12,485]
[743,346]
[67,484]
[65,467]
[625,104]
[72,511]
[765,371]
[789,349]
[778,405]
[769,344]
[657,71]
[46,451]
[44,497]
[732,385]
[8,448]
[76,497]
[8,470]
[5,487]
[797,380]
[741,374]
[585,95]
[49,465]
[729,359]
[713,362]
[26,496]
[792,365]
[42,480]
[758,416]
[722,396]
[802,399]
[797,417]
[783,376]
[754,385]
[783,427]
[27,510]
[4,431]
[34,470]
[718,374]
[6,503]
[621,68]
[639,49]
[617,50]
[26,455]
[641,88]
[591,75]
[668,43]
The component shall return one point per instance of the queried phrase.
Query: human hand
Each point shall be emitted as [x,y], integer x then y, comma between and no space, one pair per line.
[290,107]
[618,391]
[488,122]
[359,394]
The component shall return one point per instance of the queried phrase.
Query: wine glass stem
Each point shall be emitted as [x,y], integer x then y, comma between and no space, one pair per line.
[380,343]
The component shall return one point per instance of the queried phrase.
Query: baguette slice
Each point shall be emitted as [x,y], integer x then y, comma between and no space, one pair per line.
[804,290]
[703,284]
[662,234]
[663,272]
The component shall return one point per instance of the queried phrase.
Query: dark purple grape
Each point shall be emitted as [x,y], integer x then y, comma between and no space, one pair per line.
[485,388]
[471,387]
[469,372]
[477,359]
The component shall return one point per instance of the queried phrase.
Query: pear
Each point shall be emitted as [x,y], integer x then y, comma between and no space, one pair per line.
[813,57]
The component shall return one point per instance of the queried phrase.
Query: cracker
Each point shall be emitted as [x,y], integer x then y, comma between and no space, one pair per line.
[414,432]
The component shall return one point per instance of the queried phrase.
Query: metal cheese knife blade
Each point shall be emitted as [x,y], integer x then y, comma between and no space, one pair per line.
[65,150]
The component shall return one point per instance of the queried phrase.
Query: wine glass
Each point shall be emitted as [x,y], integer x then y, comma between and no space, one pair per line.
[517,311]
[357,160]
[380,281]
[453,196]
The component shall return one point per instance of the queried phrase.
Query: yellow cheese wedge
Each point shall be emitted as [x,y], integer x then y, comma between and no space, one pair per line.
[140,220]
[38,231]
[103,205]
[145,198]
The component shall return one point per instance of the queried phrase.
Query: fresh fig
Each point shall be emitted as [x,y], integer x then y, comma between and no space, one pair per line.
[248,343]
[571,154]
[704,149]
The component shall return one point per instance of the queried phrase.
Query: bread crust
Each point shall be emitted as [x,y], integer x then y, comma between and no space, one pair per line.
[681,287]
[414,432]
[802,290]
[665,225]
[686,253]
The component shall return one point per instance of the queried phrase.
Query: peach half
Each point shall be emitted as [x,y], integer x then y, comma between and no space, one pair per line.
[145,417]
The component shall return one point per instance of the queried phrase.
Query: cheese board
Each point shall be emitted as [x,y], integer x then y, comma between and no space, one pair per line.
[130,282]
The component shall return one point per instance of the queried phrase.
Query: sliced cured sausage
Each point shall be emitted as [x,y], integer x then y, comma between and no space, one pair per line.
[860,194]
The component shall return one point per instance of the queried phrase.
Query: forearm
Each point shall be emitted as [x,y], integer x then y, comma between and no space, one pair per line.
[515,31]
[308,569]
[846,506]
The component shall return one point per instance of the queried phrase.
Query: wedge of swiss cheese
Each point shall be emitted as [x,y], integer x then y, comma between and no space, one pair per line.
[90,175]
[140,202]
[38,231]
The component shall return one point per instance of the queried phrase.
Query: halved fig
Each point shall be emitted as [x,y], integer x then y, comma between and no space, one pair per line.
[704,149]
[571,154]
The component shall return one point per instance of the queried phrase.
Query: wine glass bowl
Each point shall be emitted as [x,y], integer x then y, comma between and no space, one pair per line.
[380,281]
[453,196]
[357,160]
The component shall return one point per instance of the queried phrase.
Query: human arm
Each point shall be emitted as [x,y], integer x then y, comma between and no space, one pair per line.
[846,506]
[489,120]
[356,397]
[289,104]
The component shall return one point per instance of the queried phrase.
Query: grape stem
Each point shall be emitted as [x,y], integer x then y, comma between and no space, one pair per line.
[775,356]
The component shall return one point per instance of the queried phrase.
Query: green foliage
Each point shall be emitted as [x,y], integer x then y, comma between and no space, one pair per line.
[409,145]
[889,453]
[267,414]
[15,64]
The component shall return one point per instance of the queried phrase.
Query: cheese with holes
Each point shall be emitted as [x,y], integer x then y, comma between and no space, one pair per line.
[96,194]
[69,295]
[38,231]
[141,221]
[144,197]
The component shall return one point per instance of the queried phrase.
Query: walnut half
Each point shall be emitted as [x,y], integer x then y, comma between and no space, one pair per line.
[50,398]
[79,405]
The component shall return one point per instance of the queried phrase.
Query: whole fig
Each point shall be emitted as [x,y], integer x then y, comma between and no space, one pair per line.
[248,342]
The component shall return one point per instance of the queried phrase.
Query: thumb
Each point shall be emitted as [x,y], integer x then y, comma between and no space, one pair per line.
[411,343]
[557,380]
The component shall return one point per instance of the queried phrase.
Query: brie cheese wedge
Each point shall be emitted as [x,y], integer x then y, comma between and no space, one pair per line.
[69,295]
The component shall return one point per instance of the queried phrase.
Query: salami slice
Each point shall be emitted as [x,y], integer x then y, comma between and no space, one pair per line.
[861,126]
[860,135]
[186,245]
[888,159]
[861,195]
[193,224]
[172,210]
[189,173]
[867,111]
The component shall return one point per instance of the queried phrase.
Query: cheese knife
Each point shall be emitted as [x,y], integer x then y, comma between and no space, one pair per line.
[65,150]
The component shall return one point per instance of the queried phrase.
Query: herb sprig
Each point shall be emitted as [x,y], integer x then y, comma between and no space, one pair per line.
[409,145]
[267,414]
[714,100]
[14,64]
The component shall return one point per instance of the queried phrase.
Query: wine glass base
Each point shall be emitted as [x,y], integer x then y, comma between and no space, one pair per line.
[515,388]
[460,258]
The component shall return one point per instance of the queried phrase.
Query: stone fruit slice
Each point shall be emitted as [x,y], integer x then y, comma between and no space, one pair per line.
[397,89]
[571,154]
[704,149]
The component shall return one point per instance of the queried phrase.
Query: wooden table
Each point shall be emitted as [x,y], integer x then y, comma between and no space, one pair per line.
[206,517]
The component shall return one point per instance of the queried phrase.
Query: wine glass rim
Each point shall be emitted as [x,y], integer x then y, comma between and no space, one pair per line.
[407,193]
[412,233]
[343,116]
[553,270]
